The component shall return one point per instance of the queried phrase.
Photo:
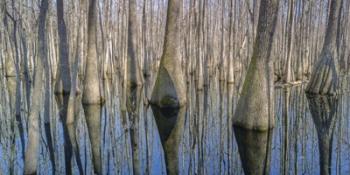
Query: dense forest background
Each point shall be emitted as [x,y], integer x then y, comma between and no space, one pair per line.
[216,36]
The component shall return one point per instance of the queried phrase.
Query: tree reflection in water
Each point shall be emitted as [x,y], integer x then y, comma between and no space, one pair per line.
[324,114]
[127,136]
[170,123]
[254,149]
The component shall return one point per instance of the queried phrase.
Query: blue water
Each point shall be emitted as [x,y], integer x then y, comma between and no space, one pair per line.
[207,143]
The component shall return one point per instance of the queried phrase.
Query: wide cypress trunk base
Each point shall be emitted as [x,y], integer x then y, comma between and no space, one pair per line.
[168,90]
[255,109]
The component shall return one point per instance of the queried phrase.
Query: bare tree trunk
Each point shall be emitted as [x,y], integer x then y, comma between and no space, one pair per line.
[222,47]
[169,89]
[134,76]
[146,49]
[63,77]
[26,71]
[73,101]
[92,96]
[91,91]
[324,76]
[48,125]
[230,72]
[255,106]
[288,65]
[31,154]
[9,64]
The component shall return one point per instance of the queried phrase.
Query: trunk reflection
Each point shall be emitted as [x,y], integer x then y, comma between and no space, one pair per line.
[324,114]
[255,150]
[170,123]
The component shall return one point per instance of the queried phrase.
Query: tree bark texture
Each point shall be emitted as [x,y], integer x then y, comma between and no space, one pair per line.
[91,91]
[324,76]
[63,79]
[255,106]
[134,76]
[31,154]
[170,89]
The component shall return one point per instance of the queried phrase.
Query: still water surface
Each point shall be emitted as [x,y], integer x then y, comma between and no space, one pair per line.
[127,135]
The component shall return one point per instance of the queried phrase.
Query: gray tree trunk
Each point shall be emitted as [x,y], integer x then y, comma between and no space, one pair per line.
[74,104]
[31,154]
[255,106]
[63,78]
[170,88]
[324,76]
[92,96]
[9,62]
[134,76]
[91,91]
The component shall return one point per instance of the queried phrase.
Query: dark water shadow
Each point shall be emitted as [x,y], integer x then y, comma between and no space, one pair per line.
[133,102]
[68,112]
[324,114]
[170,123]
[254,148]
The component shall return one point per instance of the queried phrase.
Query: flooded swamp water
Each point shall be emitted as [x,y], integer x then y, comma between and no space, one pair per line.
[127,135]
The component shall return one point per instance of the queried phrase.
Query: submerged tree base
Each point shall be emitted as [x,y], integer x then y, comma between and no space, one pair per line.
[165,93]
[254,109]
[92,96]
